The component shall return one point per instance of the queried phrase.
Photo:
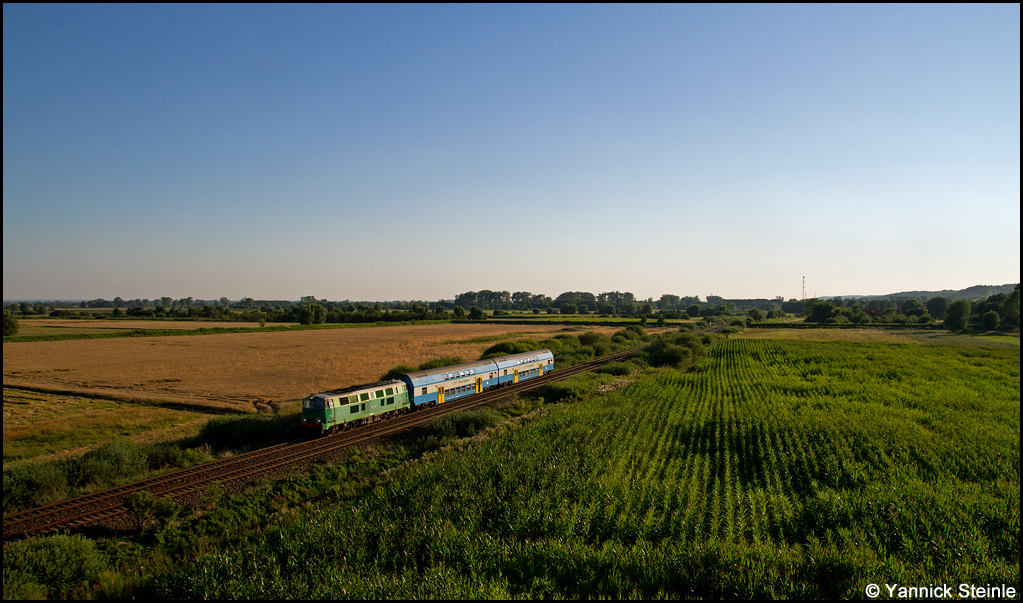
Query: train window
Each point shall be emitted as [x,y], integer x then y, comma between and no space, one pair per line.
[364,396]
[390,391]
[353,399]
[380,393]
[354,409]
[424,391]
[390,401]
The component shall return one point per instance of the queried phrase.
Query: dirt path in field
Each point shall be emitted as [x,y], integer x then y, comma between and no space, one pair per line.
[246,371]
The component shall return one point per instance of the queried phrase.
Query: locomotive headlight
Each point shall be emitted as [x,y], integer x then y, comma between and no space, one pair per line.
[317,421]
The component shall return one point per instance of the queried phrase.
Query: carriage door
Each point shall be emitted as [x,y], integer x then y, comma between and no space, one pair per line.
[479,384]
[515,378]
[440,394]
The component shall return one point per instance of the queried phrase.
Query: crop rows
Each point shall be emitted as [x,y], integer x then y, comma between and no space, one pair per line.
[776,468]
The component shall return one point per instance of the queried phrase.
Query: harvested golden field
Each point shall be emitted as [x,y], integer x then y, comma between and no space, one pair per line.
[244,371]
[64,326]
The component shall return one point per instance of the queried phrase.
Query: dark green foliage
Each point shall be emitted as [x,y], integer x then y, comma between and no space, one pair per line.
[505,348]
[10,323]
[958,315]
[312,314]
[32,485]
[634,332]
[400,369]
[991,318]
[463,424]
[619,369]
[937,306]
[244,432]
[817,310]
[448,428]
[116,460]
[403,369]
[35,484]
[678,350]
[575,388]
[477,313]
[1010,310]
[160,456]
[55,567]
[439,362]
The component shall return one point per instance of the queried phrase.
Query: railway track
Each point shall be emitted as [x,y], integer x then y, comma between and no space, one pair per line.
[106,505]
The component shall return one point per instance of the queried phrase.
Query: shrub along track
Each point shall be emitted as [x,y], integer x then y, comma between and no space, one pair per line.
[100,508]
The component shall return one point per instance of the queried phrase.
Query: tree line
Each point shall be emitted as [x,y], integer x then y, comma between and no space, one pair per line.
[998,312]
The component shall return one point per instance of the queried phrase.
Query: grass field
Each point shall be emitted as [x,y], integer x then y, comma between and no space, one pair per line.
[776,469]
[37,424]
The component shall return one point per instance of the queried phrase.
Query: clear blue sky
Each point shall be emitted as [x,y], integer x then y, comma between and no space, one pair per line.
[417,152]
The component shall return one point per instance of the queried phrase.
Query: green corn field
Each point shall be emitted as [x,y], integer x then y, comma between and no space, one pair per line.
[773,469]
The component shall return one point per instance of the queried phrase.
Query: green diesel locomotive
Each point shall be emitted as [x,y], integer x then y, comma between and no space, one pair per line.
[342,409]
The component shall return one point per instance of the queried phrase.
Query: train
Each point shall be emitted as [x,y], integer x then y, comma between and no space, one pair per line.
[342,409]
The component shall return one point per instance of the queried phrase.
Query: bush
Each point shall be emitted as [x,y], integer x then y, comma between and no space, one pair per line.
[57,567]
[679,350]
[10,323]
[444,430]
[243,432]
[439,362]
[520,346]
[32,485]
[619,369]
[118,459]
[401,369]
[575,388]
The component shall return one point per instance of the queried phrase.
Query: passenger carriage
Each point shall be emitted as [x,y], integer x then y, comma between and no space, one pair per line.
[436,386]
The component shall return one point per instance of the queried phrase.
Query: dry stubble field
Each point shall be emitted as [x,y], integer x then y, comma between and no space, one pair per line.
[244,371]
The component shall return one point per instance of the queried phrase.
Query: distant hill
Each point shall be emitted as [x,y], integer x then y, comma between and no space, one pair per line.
[970,293]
